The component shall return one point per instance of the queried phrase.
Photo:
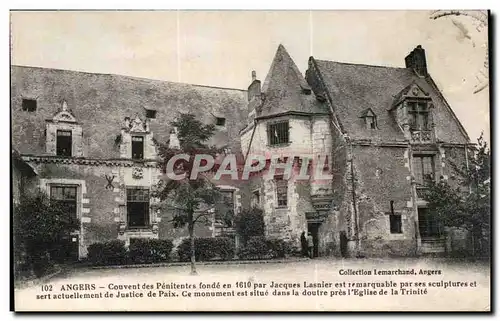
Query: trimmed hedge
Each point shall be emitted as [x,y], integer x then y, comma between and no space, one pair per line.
[258,247]
[206,249]
[150,250]
[107,253]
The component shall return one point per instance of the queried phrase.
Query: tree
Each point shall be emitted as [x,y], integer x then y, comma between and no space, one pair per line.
[250,223]
[39,229]
[194,200]
[468,205]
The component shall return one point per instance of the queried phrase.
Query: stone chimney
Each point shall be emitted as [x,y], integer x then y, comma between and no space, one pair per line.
[254,88]
[254,98]
[416,60]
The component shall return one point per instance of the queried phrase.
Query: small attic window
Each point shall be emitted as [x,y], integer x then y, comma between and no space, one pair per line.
[29,105]
[220,121]
[371,122]
[151,113]
[370,119]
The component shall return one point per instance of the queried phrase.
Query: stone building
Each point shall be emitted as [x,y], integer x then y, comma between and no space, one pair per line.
[380,132]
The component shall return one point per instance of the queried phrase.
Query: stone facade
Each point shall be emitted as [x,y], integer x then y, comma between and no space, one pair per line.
[355,123]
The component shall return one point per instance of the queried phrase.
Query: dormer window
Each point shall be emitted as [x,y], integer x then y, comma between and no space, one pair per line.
[369,118]
[418,113]
[63,143]
[137,147]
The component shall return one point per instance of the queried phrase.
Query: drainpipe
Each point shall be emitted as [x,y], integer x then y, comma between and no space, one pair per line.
[355,210]
[414,198]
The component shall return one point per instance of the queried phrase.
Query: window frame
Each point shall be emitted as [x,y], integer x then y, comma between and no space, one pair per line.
[146,204]
[26,104]
[422,180]
[58,148]
[398,222]
[276,140]
[418,111]
[220,121]
[283,202]
[132,143]
[66,200]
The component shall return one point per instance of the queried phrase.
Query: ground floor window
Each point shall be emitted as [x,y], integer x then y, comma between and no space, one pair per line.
[428,225]
[395,224]
[65,196]
[138,207]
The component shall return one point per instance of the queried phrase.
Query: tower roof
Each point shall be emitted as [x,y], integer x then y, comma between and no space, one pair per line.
[285,88]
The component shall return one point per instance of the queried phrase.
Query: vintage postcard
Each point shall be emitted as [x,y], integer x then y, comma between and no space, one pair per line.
[250,160]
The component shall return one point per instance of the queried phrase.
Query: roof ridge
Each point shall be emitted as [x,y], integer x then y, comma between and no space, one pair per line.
[360,64]
[130,77]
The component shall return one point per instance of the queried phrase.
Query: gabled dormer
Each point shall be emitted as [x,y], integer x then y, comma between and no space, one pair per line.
[412,108]
[64,134]
[369,118]
[136,139]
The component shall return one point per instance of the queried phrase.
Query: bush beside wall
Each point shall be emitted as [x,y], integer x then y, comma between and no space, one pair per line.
[208,248]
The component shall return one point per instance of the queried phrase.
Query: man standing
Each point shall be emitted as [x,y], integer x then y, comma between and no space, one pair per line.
[303,243]
[310,245]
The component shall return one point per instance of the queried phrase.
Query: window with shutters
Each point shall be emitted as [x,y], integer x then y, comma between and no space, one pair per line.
[278,133]
[66,197]
[63,143]
[138,207]
[281,191]
[137,147]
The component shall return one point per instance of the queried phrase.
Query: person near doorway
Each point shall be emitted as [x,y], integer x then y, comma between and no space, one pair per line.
[310,245]
[303,242]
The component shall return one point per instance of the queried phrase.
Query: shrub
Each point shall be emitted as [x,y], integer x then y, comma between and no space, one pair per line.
[150,250]
[258,247]
[250,223]
[107,253]
[279,248]
[207,249]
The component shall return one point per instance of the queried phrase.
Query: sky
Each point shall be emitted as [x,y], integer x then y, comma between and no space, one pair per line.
[221,48]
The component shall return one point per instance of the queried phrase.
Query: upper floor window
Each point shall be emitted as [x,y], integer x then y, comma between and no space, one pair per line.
[418,113]
[138,207]
[278,133]
[29,105]
[63,143]
[137,147]
[423,168]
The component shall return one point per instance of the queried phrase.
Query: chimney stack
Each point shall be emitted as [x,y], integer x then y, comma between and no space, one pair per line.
[416,60]
[254,88]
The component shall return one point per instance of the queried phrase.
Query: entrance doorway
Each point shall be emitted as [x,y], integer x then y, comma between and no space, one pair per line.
[313,228]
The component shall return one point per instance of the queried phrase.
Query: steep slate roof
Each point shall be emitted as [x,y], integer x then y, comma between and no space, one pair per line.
[354,88]
[100,103]
[286,90]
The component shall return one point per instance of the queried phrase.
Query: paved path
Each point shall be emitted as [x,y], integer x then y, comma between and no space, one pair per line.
[320,284]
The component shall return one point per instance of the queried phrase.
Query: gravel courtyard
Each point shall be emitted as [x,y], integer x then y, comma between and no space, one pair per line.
[319,285]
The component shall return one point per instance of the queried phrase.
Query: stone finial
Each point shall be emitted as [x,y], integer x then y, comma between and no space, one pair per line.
[254,75]
[64,105]
[127,122]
